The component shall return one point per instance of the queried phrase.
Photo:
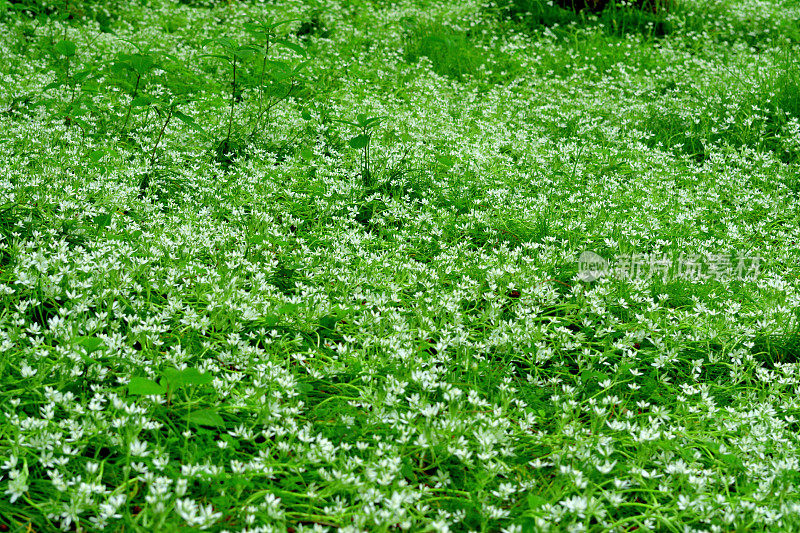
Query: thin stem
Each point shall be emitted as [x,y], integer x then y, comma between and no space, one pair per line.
[161,135]
[66,14]
[233,99]
[261,87]
[135,93]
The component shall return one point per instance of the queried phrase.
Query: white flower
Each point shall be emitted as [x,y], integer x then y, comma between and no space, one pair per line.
[138,448]
[27,371]
[17,484]
[576,504]
[202,516]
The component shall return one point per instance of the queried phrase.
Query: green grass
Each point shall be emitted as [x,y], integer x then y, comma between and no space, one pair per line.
[314,266]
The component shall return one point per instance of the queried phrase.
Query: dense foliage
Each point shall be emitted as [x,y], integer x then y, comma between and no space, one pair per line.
[312,265]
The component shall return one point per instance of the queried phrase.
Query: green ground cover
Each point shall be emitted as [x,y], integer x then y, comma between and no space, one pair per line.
[312,265]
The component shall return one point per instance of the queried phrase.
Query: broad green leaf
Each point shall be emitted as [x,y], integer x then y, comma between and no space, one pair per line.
[145,387]
[243,52]
[186,119]
[445,160]
[172,376]
[732,461]
[270,321]
[205,417]
[301,66]
[226,42]
[306,153]
[359,141]
[292,46]
[328,322]
[217,56]
[142,101]
[96,155]
[65,48]
[101,221]
[252,27]
[192,376]
[188,376]
[90,344]
[278,69]
[365,122]
[233,443]
[534,501]
[140,63]
[288,309]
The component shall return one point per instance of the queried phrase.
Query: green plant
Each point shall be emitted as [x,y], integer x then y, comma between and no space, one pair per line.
[128,71]
[234,54]
[365,126]
[167,109]
[78,84]
[276,79]
[450,52]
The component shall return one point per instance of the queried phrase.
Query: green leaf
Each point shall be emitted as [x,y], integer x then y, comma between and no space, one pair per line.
[233,443]
[534,501]
[144,387]
[445,160]
[300,66]
[270,321]
[243,52]
[226,42]
[81,76]
[292,46]
[142,101]
[205,417]
[732,461]
[186,119]
[90,344]
[253,28]
[306,153]
[217,56]
[188,376]
[278,70]
[288,309]
[192,376]
[96,155]
[306,114]
[366,122]
[328,322]
[140,63]
[101,221]
[65,48]
[359,141]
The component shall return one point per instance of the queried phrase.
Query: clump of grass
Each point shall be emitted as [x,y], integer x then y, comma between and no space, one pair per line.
[648,17]
[451,52]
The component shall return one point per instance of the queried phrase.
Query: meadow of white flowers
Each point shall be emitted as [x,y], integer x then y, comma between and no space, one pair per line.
[258,338]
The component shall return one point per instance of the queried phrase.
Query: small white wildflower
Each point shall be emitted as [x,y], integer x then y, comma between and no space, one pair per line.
[138,448]
[27,371]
